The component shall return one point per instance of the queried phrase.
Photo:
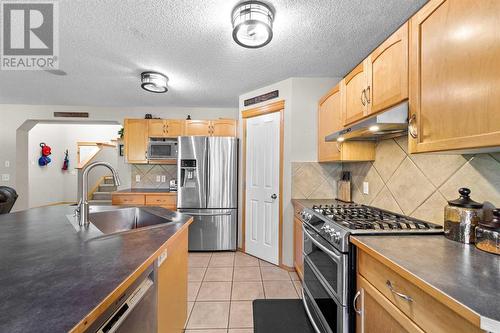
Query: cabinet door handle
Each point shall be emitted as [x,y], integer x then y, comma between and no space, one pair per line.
[403,296]
[363,94]
[367,95]
[412,126]
[358,311]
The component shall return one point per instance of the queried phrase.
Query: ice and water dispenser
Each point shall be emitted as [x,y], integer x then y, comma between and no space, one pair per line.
[188,174]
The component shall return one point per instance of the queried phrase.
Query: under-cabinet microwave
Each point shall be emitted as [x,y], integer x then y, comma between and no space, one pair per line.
[162,149]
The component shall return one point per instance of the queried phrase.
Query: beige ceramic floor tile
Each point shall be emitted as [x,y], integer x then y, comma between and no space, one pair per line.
[222,260]
[263,263]
[294,276]
[206,331]
[207,315]
[244,260]
[223,254]
[247,274]
[241,315]
[214,291]
[298,288]
[219,274]
[190,308]
[274,274]
[196,274]
[200,254]
[247,291]
[193,288]
[240,330]
[199,261]
[279,289]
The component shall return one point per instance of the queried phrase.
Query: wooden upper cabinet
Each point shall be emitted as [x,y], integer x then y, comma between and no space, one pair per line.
[136,140]
[353,94]
[224,127]
[219,127]
[197,128]
[454,76]
[165,128]
[387,72]
[329,121]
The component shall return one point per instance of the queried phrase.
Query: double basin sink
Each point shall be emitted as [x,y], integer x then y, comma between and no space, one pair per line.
[111,220]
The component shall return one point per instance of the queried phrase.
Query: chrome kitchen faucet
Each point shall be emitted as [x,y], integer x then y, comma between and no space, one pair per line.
[82,210]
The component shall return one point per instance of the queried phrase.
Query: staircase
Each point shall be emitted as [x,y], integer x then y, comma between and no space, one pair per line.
[102,196]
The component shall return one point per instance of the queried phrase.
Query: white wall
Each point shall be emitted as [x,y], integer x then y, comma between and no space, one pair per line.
[12,117]
[301,97]
[49,184]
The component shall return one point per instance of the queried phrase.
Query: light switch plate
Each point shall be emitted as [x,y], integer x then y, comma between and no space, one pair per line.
[158,178]
[162,257]
[5,177]
[163,179]
[366,188]
[137,178]
[7,164]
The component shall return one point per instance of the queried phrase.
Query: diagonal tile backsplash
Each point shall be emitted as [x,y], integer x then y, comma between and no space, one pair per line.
[149,172]
[312,180]
[419,185]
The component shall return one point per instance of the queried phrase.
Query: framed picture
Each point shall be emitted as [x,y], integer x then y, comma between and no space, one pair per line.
[121,148]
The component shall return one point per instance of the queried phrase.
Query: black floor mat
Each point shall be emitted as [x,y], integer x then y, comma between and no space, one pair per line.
[280,316]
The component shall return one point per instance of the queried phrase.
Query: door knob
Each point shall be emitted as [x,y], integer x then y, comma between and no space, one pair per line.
[274,196]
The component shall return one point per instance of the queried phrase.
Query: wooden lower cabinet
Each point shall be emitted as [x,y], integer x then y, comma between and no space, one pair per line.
[376,314]
[173,286]
[165,200]
[389,300]
[298,258]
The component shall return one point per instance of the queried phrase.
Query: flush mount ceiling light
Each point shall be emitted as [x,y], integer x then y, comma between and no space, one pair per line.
[154,82]
[252,24]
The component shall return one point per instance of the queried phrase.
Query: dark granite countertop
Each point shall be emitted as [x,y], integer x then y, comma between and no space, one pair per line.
[52,275]
[467,275]
[145,191]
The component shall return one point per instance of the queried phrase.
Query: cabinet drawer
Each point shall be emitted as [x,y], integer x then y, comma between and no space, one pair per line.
[161,200]
[426,311]
[129,199]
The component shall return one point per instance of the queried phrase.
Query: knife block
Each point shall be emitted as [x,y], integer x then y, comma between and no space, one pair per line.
[344,190]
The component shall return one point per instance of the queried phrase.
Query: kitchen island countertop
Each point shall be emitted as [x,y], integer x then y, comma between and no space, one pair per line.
[53,276]
[444,268]
[146,191]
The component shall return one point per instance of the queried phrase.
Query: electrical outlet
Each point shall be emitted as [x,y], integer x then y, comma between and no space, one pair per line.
[158,178]
[7,164]
[163,179]
[137,178]
[5,177]
[366,188]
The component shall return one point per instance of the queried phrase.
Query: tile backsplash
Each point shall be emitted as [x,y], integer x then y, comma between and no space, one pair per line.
[420,185]
[149,173]
[312,180]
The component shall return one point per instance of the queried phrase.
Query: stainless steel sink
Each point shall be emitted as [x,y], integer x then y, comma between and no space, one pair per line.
[125,219]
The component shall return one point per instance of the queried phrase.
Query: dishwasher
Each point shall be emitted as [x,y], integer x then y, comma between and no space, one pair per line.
[134,311]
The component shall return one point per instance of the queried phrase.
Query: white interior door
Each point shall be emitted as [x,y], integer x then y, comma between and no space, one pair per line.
[262,187]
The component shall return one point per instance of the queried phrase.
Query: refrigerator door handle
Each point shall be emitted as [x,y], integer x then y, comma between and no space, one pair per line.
[207,214]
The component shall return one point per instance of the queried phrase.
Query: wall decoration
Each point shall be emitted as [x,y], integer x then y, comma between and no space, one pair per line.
[44,160]
[66,161]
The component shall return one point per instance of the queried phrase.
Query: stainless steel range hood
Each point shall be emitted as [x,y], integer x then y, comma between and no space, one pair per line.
[388,124]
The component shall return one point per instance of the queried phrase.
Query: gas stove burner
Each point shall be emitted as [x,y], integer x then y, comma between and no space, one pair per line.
[359,217]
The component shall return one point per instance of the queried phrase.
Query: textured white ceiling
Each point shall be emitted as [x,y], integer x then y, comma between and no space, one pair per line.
[105,45]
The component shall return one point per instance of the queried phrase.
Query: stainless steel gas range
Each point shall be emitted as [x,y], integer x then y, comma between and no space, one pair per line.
[330,260]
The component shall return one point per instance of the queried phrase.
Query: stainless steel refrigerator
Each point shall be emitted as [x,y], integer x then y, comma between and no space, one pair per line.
[207,175]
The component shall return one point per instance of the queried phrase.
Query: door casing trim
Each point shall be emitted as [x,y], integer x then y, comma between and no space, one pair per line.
[278,106]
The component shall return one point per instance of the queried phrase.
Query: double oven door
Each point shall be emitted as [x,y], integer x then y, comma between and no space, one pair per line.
[325,284]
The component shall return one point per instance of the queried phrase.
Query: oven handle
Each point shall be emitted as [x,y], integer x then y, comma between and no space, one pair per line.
[321,246]
[308,311]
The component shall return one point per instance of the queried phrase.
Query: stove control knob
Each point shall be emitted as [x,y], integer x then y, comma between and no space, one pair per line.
[336,237]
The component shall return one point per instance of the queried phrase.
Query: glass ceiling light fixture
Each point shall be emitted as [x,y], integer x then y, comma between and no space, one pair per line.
[252,24]
[154,82]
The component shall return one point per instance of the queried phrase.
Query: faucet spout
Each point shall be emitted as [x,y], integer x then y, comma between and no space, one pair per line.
[83,206]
